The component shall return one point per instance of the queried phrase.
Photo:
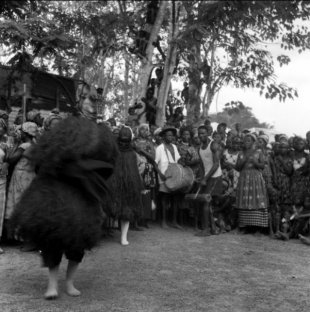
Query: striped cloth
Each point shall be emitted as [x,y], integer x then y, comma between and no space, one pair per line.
[253,217]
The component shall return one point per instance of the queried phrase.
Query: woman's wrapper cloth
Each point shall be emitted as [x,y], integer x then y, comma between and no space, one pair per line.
[65,201]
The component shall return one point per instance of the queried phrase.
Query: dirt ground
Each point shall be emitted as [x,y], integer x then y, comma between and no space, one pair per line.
[169,270]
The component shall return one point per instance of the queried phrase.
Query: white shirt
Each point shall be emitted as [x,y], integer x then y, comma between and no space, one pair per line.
[162,160]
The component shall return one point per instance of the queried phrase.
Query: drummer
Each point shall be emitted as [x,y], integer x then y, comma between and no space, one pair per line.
[211,183]
[167,153]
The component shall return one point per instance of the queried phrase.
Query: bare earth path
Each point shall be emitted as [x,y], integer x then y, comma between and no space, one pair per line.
[169,270]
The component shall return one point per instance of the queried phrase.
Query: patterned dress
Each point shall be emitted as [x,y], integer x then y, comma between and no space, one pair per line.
[232,175]
[251,196]
[148,174]
[22,177]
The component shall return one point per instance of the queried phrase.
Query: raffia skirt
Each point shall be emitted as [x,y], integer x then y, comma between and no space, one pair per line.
[252,199]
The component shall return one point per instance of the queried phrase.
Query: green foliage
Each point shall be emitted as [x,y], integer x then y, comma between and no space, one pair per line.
[237,112]
[82,39]
[232,36]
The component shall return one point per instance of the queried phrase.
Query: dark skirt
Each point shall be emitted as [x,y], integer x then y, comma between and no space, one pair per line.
[126,188]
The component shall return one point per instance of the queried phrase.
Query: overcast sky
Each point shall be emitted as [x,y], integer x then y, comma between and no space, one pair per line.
[291,117]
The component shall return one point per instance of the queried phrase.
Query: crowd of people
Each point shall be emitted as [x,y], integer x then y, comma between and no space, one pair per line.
[242,181]
[213,180]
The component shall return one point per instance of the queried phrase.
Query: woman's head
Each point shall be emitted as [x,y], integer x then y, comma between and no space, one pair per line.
[299,144]
[185,134]
[29,130]
[236,143]
[216,137]
[262,141]
[249,140]
[143,131]
[282,138]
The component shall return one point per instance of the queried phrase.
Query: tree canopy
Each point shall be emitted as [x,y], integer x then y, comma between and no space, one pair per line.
[210,44]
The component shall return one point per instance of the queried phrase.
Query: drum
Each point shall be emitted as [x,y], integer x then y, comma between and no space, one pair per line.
[179,178]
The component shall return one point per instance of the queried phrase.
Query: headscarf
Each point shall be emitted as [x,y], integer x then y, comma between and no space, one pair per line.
[31,115]
[30,128]
[282,137]
[143,126]
[251,135]
[264,137]
[48,120]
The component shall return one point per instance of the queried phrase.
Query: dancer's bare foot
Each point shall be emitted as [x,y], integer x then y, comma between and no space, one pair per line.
[51,293]
[71,290]
[124,242]
[1,251]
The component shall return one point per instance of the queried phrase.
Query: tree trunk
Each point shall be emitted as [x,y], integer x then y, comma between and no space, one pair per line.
[210,88]
[147,65]
[126,85]
[169,64]
[194,85]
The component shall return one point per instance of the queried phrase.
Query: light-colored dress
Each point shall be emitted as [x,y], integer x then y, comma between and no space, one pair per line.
[22,176]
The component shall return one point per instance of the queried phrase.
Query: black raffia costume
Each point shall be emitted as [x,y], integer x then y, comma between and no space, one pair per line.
[125,182]
[63,209]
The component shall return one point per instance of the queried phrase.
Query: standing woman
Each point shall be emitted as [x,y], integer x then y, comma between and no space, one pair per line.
[228,163]
[146,149]
[23,173]
[3,172]
[251,196]
[269,177]
[126,184]
[283,171]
